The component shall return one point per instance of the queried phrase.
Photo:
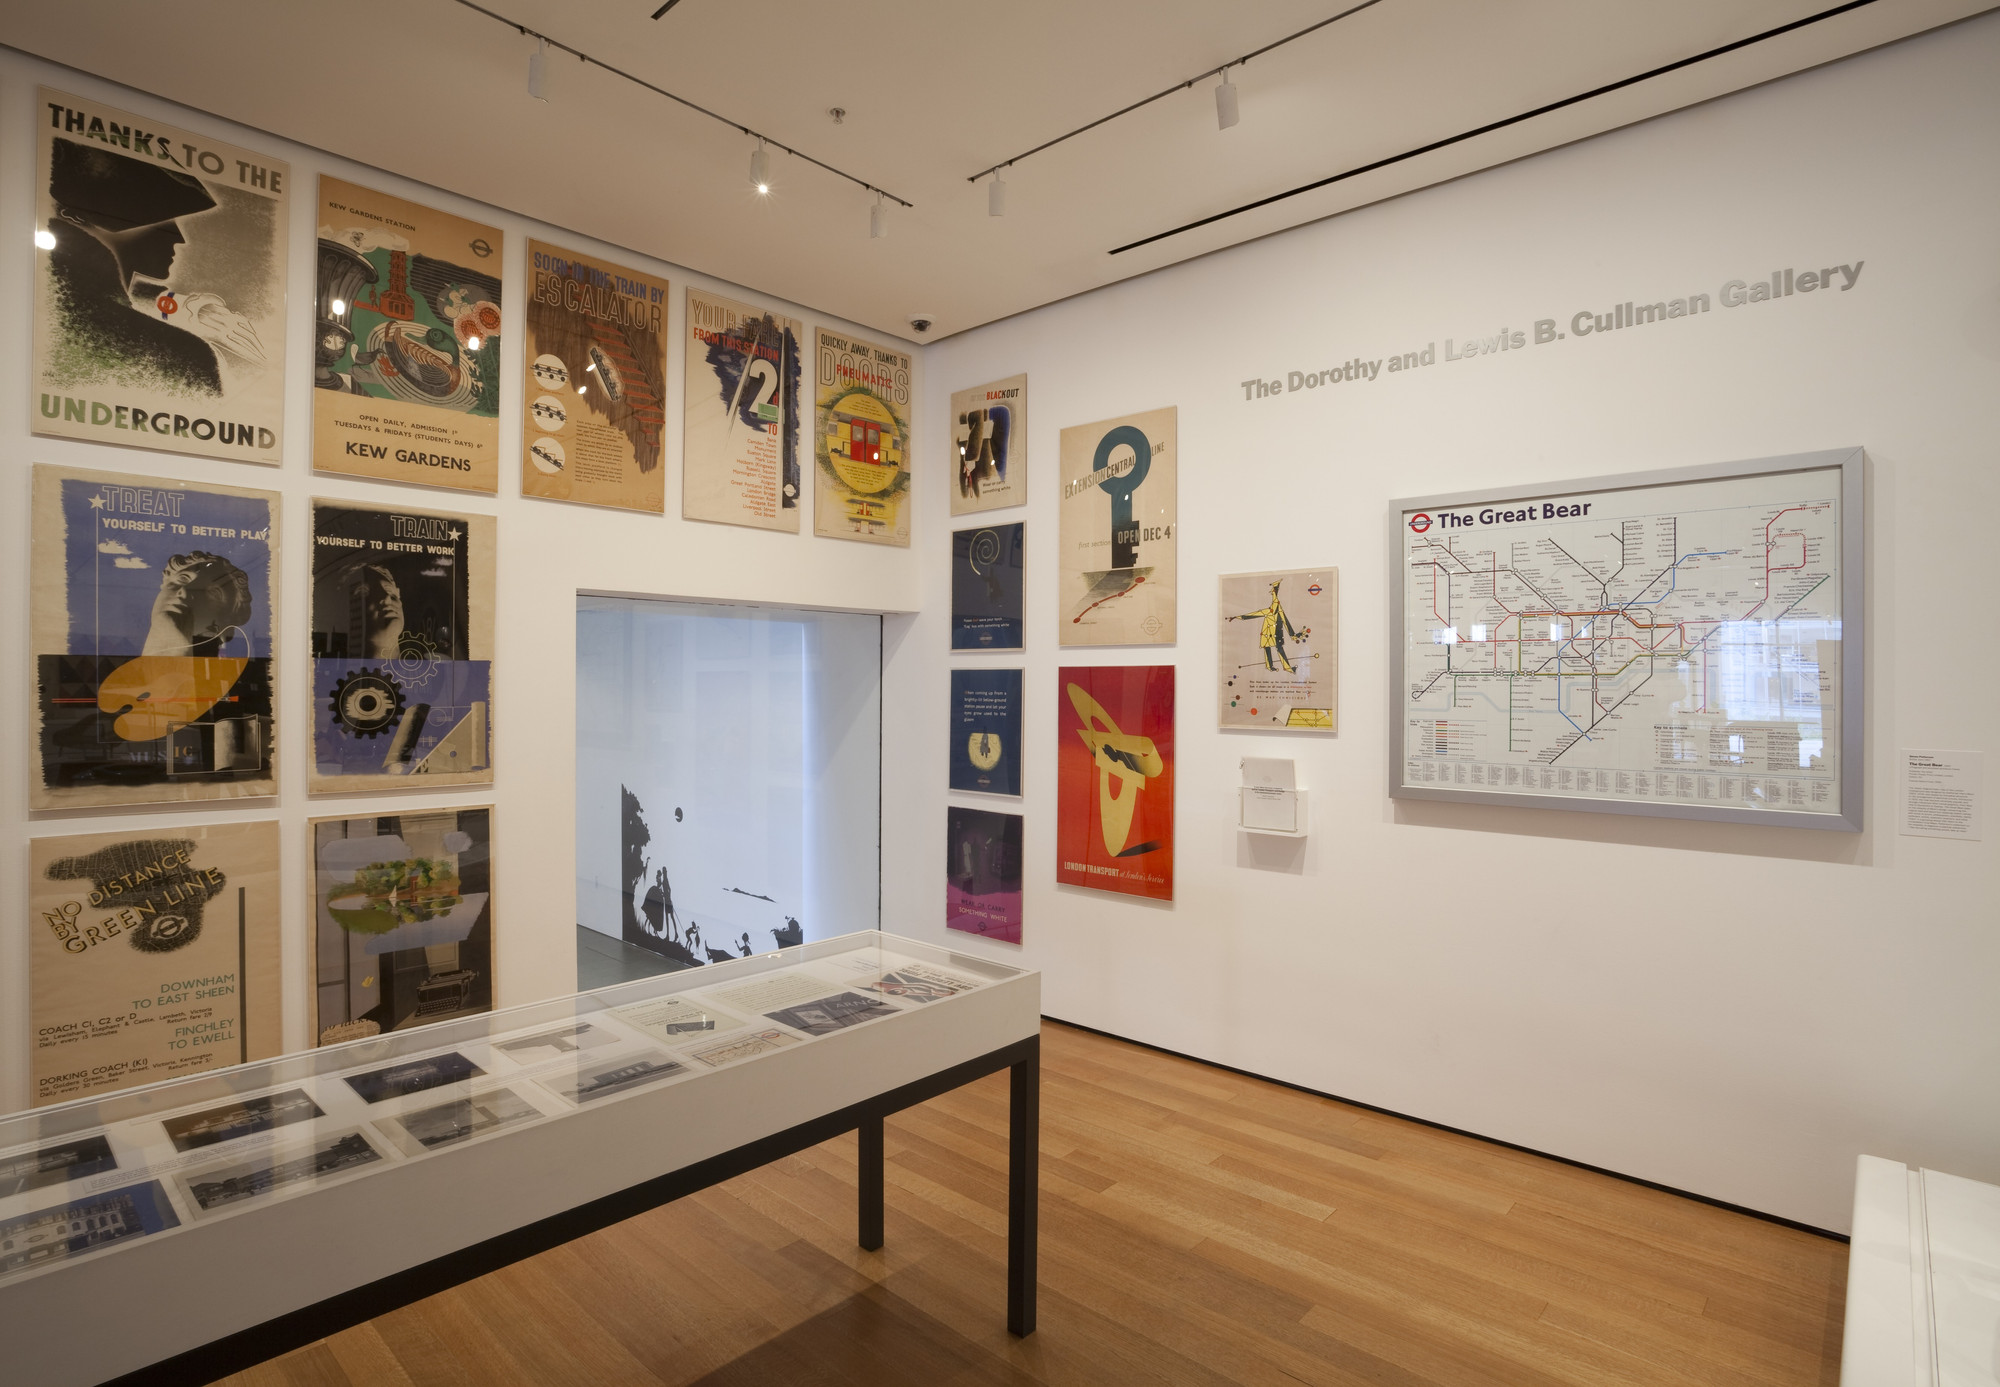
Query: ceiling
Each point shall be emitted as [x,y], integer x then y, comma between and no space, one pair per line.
[934,91]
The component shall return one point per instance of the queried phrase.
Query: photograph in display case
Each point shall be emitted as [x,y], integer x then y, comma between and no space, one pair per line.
[402,647]
[919,982]
[242,1117]
[405,1077]
[159,317]
[1684,643]
[677,1018]
[741,1047]
[402,908]
[406,342]
[986,731]
[982,873]
[458,1120]
[155,954]
[591,1080]
[1115,779]
[41,1166]
[987,568]
[861,440]
[595,404]
[1278,650]
[1117,574]
[825,1015]
[286,1167]
[82,1225]
[990,434]
[740,415]
[563,1040]
[153,617]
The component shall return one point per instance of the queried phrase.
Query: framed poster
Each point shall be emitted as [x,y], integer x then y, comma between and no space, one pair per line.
[982,874]
[986,731]
[1115,779]
[159,285]
[862,440]
[1278,650]
[987,568]
[406,342]
[595,405]
[1683,643]
[740,420]
[402,911]
[154,955]
[1117,534]
[154,620]
[990,431]
[402,647]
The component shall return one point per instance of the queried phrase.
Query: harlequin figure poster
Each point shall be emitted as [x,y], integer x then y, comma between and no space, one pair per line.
[862,447]
[1115,779]
[402,647]
[159,285]
[740,420]
[154,621]
[406,342]
[1278,650]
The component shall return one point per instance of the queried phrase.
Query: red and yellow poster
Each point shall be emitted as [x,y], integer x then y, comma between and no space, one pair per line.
[1115,779]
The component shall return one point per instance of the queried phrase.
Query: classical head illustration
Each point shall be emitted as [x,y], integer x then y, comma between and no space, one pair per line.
[1125,762]
[203,599]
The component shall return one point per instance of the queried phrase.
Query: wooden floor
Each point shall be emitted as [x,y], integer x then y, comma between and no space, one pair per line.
[1197,1227]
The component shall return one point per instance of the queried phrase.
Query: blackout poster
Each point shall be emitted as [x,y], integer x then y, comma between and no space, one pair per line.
[740,425]
[990,431]
[986,731]
[153,625]
[1118,569]
[402,908]
[406,342]
[159,285]
[982,893]
[402,647]
[154,954]
[1115,779]
[596,400]
[986,570]
[862,440]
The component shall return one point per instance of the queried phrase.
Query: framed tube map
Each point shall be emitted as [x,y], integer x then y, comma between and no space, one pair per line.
[740,421]
[1115,779]
[595,407]
[153,621]
[1118,570]
[406,342]
[862,446]
[402,647]
[159,285]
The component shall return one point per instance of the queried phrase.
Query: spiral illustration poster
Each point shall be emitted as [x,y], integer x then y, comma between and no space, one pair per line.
[154,954]
[740,426]
[987,568]
[990,452]
[862,440]
[154,618]
[1115,779]
[406,342]
[159,285]
[402,647]
[1118,569]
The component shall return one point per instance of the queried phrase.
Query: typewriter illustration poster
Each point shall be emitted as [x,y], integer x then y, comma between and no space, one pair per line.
[862,442]
[154,955]
[402,644]
[406,342]
[153,626]
[402,921]
[986,573]
[596,401]
[159,285]
[982,892]
[740,428]
[986,731]
[990,431]
[1117,533]
[1278,650]
[1115,779]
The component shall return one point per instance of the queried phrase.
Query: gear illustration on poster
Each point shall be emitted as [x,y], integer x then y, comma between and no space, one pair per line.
[417,660]
[367,702]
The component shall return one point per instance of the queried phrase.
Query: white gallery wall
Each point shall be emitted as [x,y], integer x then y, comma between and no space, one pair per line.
[1735,1011]
[548,553]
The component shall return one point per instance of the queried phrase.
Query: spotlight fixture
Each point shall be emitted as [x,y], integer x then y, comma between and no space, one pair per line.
[1225,102]
[538,71]
[878,219]
[760,169]
[996,198]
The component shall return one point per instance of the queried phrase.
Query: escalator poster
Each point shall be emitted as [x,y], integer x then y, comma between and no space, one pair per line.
[990,456]
[154,621]
[406,342]
[740,426]
[402,908]
[861,440]
[154,955]
[1116,536]
[402,648]
[595,407]
[1115,779]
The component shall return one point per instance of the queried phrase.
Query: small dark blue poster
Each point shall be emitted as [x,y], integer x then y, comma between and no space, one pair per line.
[986,730]
[986,588]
